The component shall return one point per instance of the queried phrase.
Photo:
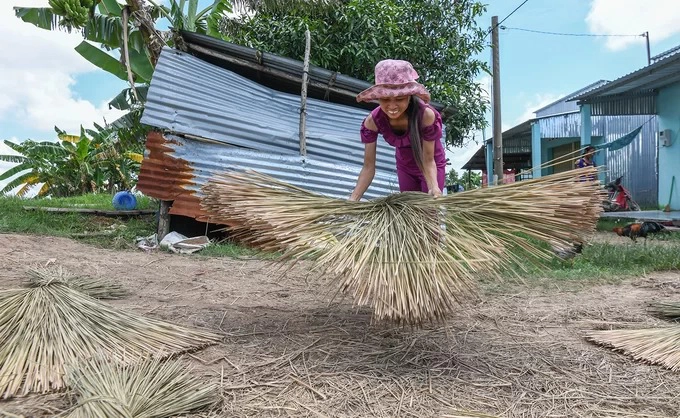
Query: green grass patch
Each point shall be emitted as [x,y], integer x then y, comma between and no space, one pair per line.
[107,232]
[599,263]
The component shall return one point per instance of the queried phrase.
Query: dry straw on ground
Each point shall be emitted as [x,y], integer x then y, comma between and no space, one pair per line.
[653,345]
[98,289]
[408,255]
[150,388]
[670,310]
[45,328]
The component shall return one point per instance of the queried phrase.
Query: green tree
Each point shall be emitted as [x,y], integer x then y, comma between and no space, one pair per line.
[452,177]
[471,180]
[440,38]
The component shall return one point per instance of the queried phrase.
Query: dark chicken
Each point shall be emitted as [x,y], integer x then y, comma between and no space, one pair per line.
[640,230]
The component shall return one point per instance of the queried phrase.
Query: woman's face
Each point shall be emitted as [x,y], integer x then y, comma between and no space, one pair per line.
[394,107]
[590,153]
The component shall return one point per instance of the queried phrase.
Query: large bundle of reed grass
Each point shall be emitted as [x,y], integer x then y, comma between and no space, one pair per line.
[44,328]
[150,388]
[653,345]
[409,255]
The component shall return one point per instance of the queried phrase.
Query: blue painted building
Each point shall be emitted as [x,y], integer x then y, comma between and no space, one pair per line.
[561,129]
[652,90]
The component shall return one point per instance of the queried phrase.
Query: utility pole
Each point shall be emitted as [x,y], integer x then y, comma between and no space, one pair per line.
[496,103]
[649,56]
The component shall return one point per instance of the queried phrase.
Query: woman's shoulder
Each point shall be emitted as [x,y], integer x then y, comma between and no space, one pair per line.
[429,116]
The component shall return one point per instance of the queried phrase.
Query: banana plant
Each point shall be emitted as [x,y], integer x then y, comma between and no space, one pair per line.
[92,161]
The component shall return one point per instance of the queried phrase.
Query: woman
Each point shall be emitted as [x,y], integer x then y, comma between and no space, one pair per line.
[587,159]
[407,122]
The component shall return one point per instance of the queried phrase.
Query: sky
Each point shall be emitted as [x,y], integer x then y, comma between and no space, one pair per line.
[45,83]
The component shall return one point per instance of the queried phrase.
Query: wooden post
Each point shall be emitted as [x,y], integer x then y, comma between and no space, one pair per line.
[303,101]
[164,219]
[649,57]
[497,131]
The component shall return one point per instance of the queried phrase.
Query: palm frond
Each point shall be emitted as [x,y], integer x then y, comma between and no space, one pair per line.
[103,29]
[669,310]
[408,255]
[12,158]
[45,328]
[149,388]
[98,289]
[653,345]
[18,181]
[16,170]
[42,17]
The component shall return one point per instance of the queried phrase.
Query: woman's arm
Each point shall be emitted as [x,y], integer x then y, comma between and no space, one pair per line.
[368,170]
[429,165]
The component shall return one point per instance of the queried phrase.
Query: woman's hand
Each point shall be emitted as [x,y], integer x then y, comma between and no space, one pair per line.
[435,192]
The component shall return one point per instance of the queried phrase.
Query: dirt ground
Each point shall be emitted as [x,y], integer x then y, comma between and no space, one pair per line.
[290,352]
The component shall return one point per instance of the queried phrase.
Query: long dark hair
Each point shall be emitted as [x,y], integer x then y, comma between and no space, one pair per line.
[413,111]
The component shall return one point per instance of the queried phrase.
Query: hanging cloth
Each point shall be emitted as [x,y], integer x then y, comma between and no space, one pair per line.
[620,142]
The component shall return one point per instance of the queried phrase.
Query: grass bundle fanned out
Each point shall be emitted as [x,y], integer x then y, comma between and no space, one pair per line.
[670,310]
[98,289]
[46,327]
[653,345]
[392,252]
[150,388]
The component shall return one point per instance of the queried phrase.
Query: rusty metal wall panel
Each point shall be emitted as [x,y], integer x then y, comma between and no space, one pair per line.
[190,96]
[176,168]
[637,162]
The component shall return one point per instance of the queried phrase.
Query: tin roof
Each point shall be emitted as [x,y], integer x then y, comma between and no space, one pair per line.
[643,82]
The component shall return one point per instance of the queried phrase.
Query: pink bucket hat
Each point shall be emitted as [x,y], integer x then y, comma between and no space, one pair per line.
[394,78]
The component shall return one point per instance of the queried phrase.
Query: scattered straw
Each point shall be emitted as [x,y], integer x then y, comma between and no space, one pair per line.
[46,327]
[392,253]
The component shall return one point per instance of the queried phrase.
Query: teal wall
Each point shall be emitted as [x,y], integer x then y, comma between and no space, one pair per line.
[549,143]
[668,108]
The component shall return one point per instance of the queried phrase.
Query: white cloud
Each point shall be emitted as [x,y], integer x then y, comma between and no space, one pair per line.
[621,17]
[37,73]
[538,101]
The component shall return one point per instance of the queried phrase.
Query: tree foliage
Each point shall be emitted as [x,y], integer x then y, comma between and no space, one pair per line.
[469,179]
[98,160]
[439,37]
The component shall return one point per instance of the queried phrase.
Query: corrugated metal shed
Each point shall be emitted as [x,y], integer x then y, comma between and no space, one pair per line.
[568,126]
[516,150]
[218,120]
[637,162]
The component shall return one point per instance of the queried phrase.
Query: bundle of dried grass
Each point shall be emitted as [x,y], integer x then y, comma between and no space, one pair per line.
[98,289]
[409,255]
[654,345]
[45,327]
[150,389]
[670,310]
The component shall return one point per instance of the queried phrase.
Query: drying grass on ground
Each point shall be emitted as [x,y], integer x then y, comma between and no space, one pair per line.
[392,253]
[45,328]
[149,388]
[670,310]
[654,345]
[98,289]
